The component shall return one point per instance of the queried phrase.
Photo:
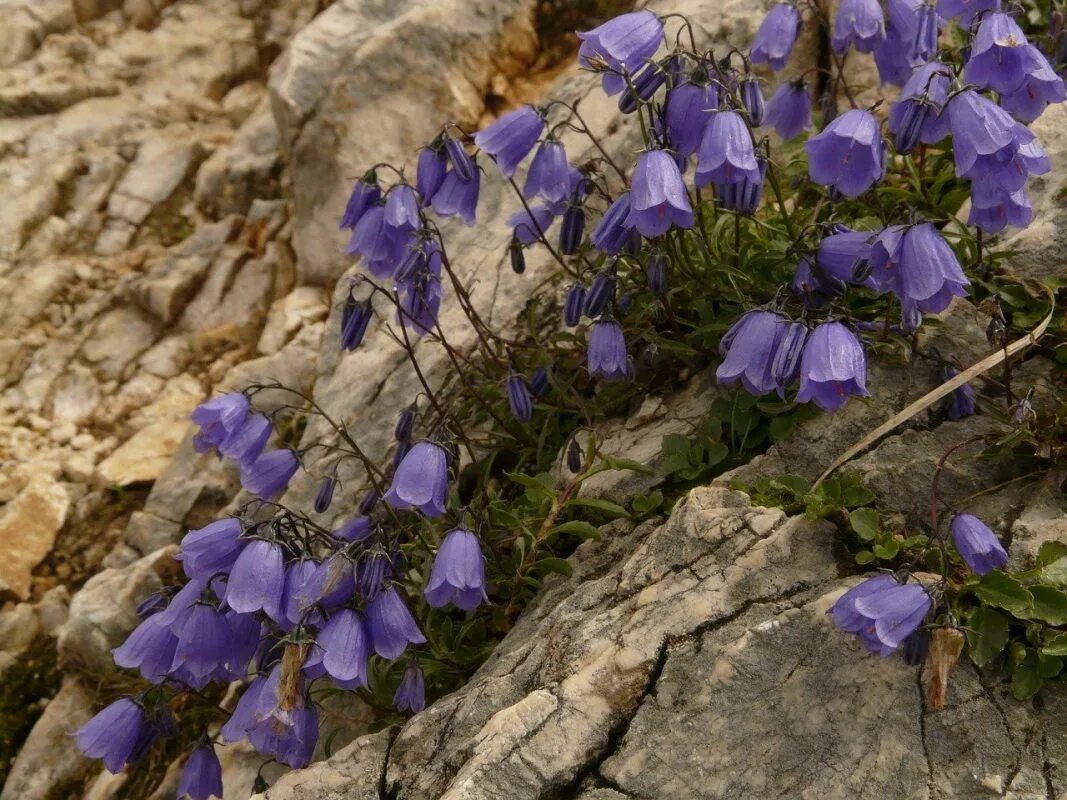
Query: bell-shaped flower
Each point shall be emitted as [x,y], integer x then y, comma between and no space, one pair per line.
[896,611]
[530,224]
[268,475]
[1001,56]
[993,208]
[918,266]
[257,579]
[727,154]
[988,144]
[114,734]
[218,418]
[245,444]
[832,368]
[658,198]
[211,549]
[297,574]
[346,646]
[411,693]
[752,346]
[977,544]
[365,194]
[849,619]
[511,138]
[430,172]
[458,573]
[927,29]
[458,197]
[846,255]
[622,45]
[688,111]
[607,351]
[201,778]
[928,86]
[149,649]
[520,401]
[204,645]
[776,36]
[549,176]
[785,363]
[964,11]
[848,155]
[614,230]
[789,109]
[390,624]
[421,480]
[860,24]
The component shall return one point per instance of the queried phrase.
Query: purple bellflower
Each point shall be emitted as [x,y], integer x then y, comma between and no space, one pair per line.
[964,11]
[114,734]
[549,174]
[726,154]
[268,475]
[658,198]
[753,341]
[893,55]
[411,693]
[202,775]
[245,444]
[218,418]
[833,367]
[511,138]
[204,646]
[977,544]
[519,398]
[880,613]
[688,111]
[402,208]
[297,574]
[607,351]
[461,162]
[927,28]
[530,226]
[391,625]
[961,402]
[993,207]
[785,364]
[859,23]
[918,266]
[421,480]
[752,100]
[430,172]
[776,36]
[257,579]
[846,255]
[916,116]
[622,44]
[789,109]
[988,143]
[365,193]
[744,195]
[614,230]
[346,646]
[458,197]
[848,155]
[458,573]
[211,549]
[149,649]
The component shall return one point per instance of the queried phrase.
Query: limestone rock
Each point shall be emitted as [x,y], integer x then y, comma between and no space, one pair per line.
[28,529]
[162,163]
[288,315]
[353,773]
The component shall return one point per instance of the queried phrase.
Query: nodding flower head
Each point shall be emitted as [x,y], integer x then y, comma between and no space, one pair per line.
[789,109]
[621,45]
[753,342]
[421,480]
[268,475]
[918,266]
[458,196]
[411,693]
[365,193]
[881,612]
[511,138]
[776,36]
[201,778]
[430,172]
[115,734]
[614,231]
[458,573]
[257,579]
[519,398]
[689,109]
[832,368]
[658,197]
[549,176]
[607,351]
[848,155]
[752,99]
[727,154]
[391,625]
[218,419]
[977,544]
[860,24]
[574,304]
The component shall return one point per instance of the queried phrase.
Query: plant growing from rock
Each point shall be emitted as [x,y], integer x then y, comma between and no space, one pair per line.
[790,263]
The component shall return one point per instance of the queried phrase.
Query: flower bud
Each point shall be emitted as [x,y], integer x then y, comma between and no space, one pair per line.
[369,501]
[519,398]
[910,129]
[600,293]
[625,302]
[517,256]
[645,84]
[402,449]
[539,382]
[355,320]
[572,228]
[574,456]
[413,265]
[461,162]
[915,648]
[324,496]
[656,272]
[405,422]
[752,98]
[573,304]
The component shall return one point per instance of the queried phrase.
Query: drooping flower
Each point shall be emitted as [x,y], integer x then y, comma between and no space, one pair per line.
[658,199]
[245,444]
[458,573]
[607,351]
[846,255]
[372,573]
[511,138]
[402,208]
[964,11]
[977,544]
[201,777]
[458,157]
[573,304]
[859,23]
[381,245]
[421,480]
[613,232]
[549,176]
[988,144]
[644,85]
[894,54]
[776,36]
[752,100]
[789,109]
[1004,61]
[601,293]
[411,693]
[622,44]
[918,266]
[113,734]
[688,111]
[205,646]
[355,530]
[430,172]
[833,367]
[848,155]
[916,116]
[572,228]
[297,574]
[927,29]
[346,646]
[391,625]
[218,418]
[961,401]
[519,399]
[268,475]
[324,495]
[458,197]
[290,740]
[528,226]
[753,342]
[785,363]
[257,579]
[211,549]
[727,154]
[993,207]
[815,286]
[744,195]
[149,649]
[365,193]
[881,612]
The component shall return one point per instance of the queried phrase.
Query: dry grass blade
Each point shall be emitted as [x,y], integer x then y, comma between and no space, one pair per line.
[943,390]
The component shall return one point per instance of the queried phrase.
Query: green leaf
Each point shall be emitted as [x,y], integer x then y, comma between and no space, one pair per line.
[1056,645]
[1003,591]
[887,549]
[793,483]
[553,564]
[782,427]
[986,635]
[1055,572]
[627,463]
[537,488]
[605,506]
[1049,666]
[1051,552]
[857,495]
[675,450]
[864,522]
[715,453]
[1025,682]
[864,557]
[1050,605]
[577,527]
[645,504]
